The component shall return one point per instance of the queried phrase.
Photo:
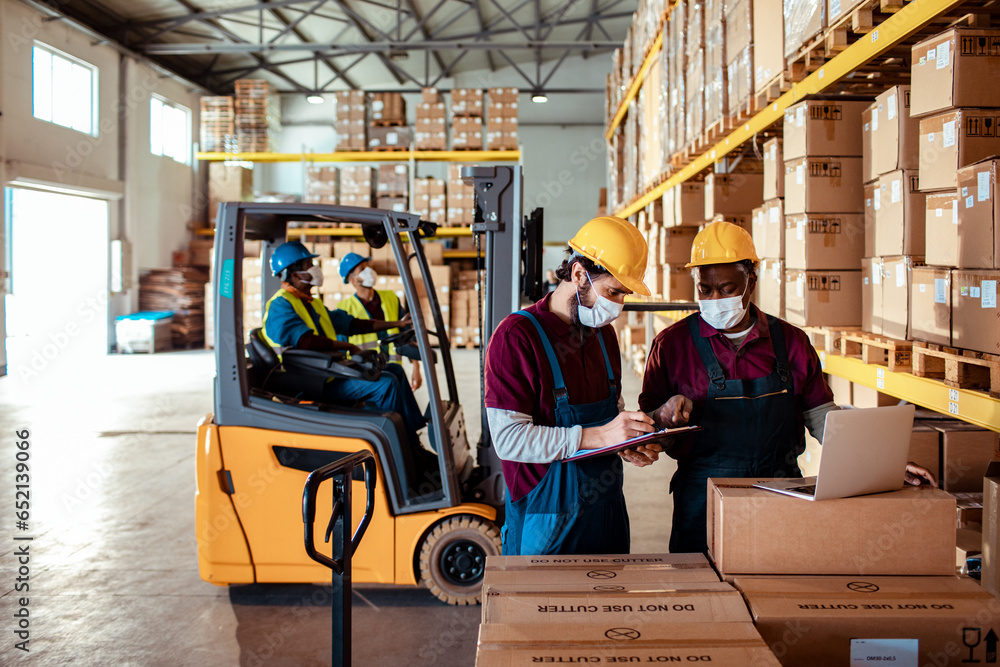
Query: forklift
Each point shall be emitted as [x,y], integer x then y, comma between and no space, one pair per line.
[433,528]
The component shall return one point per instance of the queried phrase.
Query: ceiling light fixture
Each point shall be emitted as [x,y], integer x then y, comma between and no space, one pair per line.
[538,97]
[315,98]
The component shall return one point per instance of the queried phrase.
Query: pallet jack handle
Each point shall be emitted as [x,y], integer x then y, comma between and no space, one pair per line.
[342,473]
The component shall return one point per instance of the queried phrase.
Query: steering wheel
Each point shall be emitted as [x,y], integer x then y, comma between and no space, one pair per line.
[405,335]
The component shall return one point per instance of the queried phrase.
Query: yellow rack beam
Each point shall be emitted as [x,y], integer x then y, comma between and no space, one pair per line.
[633,90]
[442,232]
[974,407]
[893,30]
[366,156]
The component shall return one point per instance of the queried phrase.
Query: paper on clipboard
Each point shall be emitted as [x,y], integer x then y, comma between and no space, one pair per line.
[655,436]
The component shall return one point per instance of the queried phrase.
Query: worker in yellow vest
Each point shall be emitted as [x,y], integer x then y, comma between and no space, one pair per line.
[369,303]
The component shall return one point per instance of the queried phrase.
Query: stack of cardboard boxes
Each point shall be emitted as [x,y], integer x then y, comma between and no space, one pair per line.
[824,213]
[768,230]
[351,121]
[321,185]
[461,198]
[429,200]
[218,124]
[465,326]
[739,44]
[388,129]
[432,132]
[258,116]
[613,609]
[357,185]
[467,119]
[501,126]
[393,187]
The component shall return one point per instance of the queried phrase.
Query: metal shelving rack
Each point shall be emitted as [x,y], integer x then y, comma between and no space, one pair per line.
[971,406]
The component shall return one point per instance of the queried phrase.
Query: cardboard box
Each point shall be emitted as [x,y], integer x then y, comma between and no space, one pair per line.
[818,128]
[678,283]
[824,185]
[736,644]
[774,169]
[675,244]
[681,565]
[930,304]
[871,295]
[966,452]
[991,529]
[949,69]
[925,447]
[895,133]
[877,620]
[905,532]
[732,194]
[955,139]
[681,602]
[900,210]
[970,509]
[841,388]
[768,44]
[869,190]
[804,19]
[867,164]
[941,228]
[688,203]
[975,318]
[821,241]
[771,287]
[823,298]
[978,216]
[769,230]
[897,279]
[227,183]
[867,397]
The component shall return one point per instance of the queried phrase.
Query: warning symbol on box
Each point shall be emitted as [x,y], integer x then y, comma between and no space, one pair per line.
[968,47]
[989,126]
[602,574]
[622,634]
[862,587]
[972,127]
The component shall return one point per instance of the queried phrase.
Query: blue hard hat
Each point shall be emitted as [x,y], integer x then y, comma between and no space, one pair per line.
[349,263]
[287,254]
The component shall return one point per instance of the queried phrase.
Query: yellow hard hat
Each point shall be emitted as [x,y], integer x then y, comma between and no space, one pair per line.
[722,243]
[616,245]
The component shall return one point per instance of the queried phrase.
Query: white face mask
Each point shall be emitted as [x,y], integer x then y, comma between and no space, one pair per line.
[723,314]
[604,311]
[313,275]
[368,277]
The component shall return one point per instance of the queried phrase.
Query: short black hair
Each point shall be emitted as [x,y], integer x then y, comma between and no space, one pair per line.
[565,271]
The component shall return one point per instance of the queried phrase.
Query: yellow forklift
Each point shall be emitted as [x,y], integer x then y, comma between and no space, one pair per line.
[255,451]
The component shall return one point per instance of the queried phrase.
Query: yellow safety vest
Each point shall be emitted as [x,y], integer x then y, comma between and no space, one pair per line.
[390,310]
[300,309]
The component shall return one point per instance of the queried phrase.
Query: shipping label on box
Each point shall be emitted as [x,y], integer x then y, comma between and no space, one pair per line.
[748,532]
[874,620]
[930,305]
[819,241]
[949,69]
[955,139]
[815,128]
[978,216]
[823,298]
[975,317]
[900,210]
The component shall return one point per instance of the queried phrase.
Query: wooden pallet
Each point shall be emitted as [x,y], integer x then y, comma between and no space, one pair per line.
[859,21]
[772,90]
[390,149]
[896,354]
[831,339]
[395,122]
[961,369]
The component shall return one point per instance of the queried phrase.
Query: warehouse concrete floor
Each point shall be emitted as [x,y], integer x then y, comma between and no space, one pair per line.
[112,565]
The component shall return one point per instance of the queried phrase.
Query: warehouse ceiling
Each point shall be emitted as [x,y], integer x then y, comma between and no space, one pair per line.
[324,45]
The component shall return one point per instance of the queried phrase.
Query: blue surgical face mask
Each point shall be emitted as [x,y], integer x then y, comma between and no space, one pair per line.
[604,311]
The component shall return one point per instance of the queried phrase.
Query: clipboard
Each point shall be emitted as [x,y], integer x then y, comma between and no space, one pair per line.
[661,436]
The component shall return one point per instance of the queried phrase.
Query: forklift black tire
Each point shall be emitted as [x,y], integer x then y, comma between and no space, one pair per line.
[453,558]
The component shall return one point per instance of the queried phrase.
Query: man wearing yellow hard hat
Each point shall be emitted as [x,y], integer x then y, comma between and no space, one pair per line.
[753,383]
[553,388]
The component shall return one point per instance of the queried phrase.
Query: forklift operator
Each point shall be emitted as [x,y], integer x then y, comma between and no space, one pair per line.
[553,387]
[753,382]
[369,303]
[294,318]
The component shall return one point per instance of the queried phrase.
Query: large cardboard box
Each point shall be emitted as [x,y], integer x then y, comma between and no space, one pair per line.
[925,447]
[824,185]
[756,531]
[867,163]
[675,244]
[688,203]
[736,644]
[774,169]
[732,194]
[818,128]
[841,388]
[950,68]
[681,602]
[812,621]
[871,294]
[991,529]
[768,230]
[869,190]
[678,283]
[975,318]
[955,139]
[941,228]
[894,132]
[824,241]
[771,287]
[966,452]
[900,210]
[978,216]
[897,278]
[867,397]
[823,298]
[930,304]
[575,570]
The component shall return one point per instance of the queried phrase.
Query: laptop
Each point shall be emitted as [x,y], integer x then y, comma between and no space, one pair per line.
[864,451]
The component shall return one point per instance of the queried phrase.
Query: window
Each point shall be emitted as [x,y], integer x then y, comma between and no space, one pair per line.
[64,89]
[169,130]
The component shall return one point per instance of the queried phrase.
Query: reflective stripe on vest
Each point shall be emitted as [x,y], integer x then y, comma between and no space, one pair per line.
[300,309]
[390,312]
